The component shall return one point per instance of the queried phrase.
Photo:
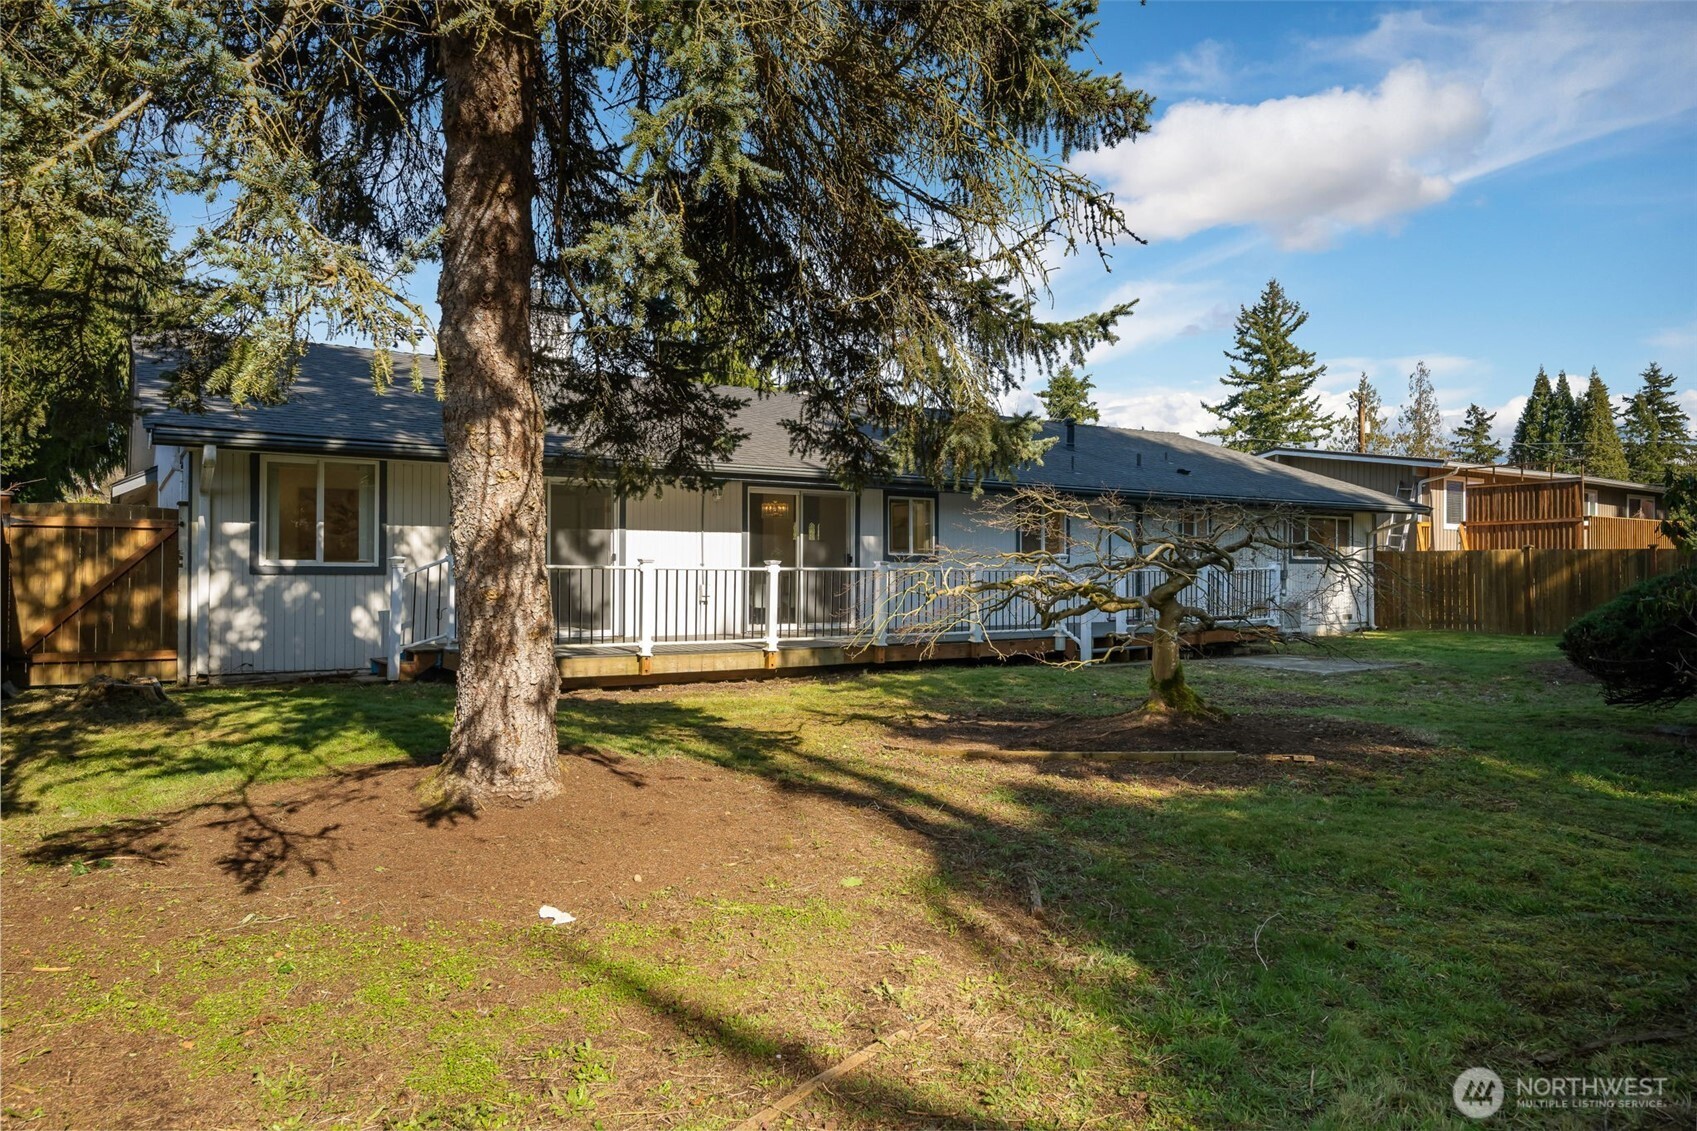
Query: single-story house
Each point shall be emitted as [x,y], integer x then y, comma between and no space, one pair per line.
[318,530]
[1495,506]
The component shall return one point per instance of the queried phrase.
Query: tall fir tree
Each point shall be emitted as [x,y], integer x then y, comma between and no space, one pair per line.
[1364,427]
[1534,416]
[1474,442]
[694,191]
[1271,404]
[1067,396]
[1598,448]
[1655,431]
[1420,424]
[1562,432]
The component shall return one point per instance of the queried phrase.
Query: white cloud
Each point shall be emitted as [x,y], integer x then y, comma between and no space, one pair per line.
[1553,76]
[1204,69]
[1303,168]
[1464,93]
[1165,310]
[1676,337]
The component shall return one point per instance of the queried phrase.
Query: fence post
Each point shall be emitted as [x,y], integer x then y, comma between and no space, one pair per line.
[645,606]
[880,605]
[397,582]
[773,566]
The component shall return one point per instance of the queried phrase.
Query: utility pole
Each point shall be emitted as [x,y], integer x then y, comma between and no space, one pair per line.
[1360,422]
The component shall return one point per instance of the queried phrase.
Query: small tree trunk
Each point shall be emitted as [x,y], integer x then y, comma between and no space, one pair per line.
[504,744]
[1168,691]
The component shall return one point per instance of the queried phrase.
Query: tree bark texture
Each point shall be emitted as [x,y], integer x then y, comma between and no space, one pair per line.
[1168,690]
[504,745]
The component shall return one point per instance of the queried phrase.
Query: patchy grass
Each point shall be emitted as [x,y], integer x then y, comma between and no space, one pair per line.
[1492,865]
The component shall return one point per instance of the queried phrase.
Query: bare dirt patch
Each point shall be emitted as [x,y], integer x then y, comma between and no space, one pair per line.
[639,849]
[1332,740]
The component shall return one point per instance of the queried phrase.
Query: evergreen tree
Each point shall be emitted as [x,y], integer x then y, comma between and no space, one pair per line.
[1473,441]
[1562,429]
[1363,428]
[1067,396]
[1271,404]
[1531,431]
[1655,431]
[850,200]
[1420,424]
[1598,447]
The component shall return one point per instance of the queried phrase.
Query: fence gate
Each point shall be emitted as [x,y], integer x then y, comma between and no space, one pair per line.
[89,589]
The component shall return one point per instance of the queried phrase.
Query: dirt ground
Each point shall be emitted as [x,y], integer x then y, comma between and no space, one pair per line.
[361,847]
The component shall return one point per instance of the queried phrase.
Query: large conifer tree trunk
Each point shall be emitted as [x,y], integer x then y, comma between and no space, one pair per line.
[503,745]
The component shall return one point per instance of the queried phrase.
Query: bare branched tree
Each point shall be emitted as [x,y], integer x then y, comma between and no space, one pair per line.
[1159,571]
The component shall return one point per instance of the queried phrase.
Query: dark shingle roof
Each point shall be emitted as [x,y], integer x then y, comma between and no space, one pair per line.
[333,407]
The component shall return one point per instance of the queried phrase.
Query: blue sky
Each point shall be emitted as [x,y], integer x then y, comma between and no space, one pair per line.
[1489,188]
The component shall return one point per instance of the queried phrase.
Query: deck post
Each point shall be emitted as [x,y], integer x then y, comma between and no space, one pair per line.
[397,583]
[450,623]
[1060,630]
[773,568]
[881,605]
[645,606]
[976,629]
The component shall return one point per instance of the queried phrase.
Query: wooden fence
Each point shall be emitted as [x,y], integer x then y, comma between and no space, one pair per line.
[1530,591]
[89,589]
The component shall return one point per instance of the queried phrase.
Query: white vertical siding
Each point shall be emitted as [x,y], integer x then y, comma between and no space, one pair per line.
[686,528]
[871,530]
[961,529]
[301,622]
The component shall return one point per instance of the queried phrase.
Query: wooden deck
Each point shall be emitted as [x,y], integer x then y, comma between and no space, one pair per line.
[619,666]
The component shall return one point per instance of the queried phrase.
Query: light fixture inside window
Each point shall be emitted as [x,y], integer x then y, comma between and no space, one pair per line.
[774,508]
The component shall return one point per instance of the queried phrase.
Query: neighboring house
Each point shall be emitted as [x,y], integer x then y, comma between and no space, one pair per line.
[1496,507]
[318,525]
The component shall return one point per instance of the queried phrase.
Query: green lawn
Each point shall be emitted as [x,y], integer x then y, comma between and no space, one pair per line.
[1321,945]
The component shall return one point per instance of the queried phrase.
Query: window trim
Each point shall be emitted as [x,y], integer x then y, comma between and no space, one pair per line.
[1347,542]
[1451,522]
[259,565]
[1591,503]
[1065,553]
[616,552]
[922,555]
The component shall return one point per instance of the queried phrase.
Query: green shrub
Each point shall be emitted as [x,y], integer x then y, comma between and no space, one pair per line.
[1643,644]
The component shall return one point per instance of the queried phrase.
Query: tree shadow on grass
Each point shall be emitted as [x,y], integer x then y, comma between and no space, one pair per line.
[261,734]
[757,1048]
[1281,905]
[270,735]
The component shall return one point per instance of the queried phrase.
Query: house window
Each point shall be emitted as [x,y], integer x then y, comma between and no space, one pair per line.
[582,525]
[1325,532]
[1193,524]
[1049,538]
[320,511]
[1455,504]
[1592,506]
[1640,506]
[913,527]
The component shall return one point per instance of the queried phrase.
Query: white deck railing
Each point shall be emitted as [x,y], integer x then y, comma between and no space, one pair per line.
[636,608]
